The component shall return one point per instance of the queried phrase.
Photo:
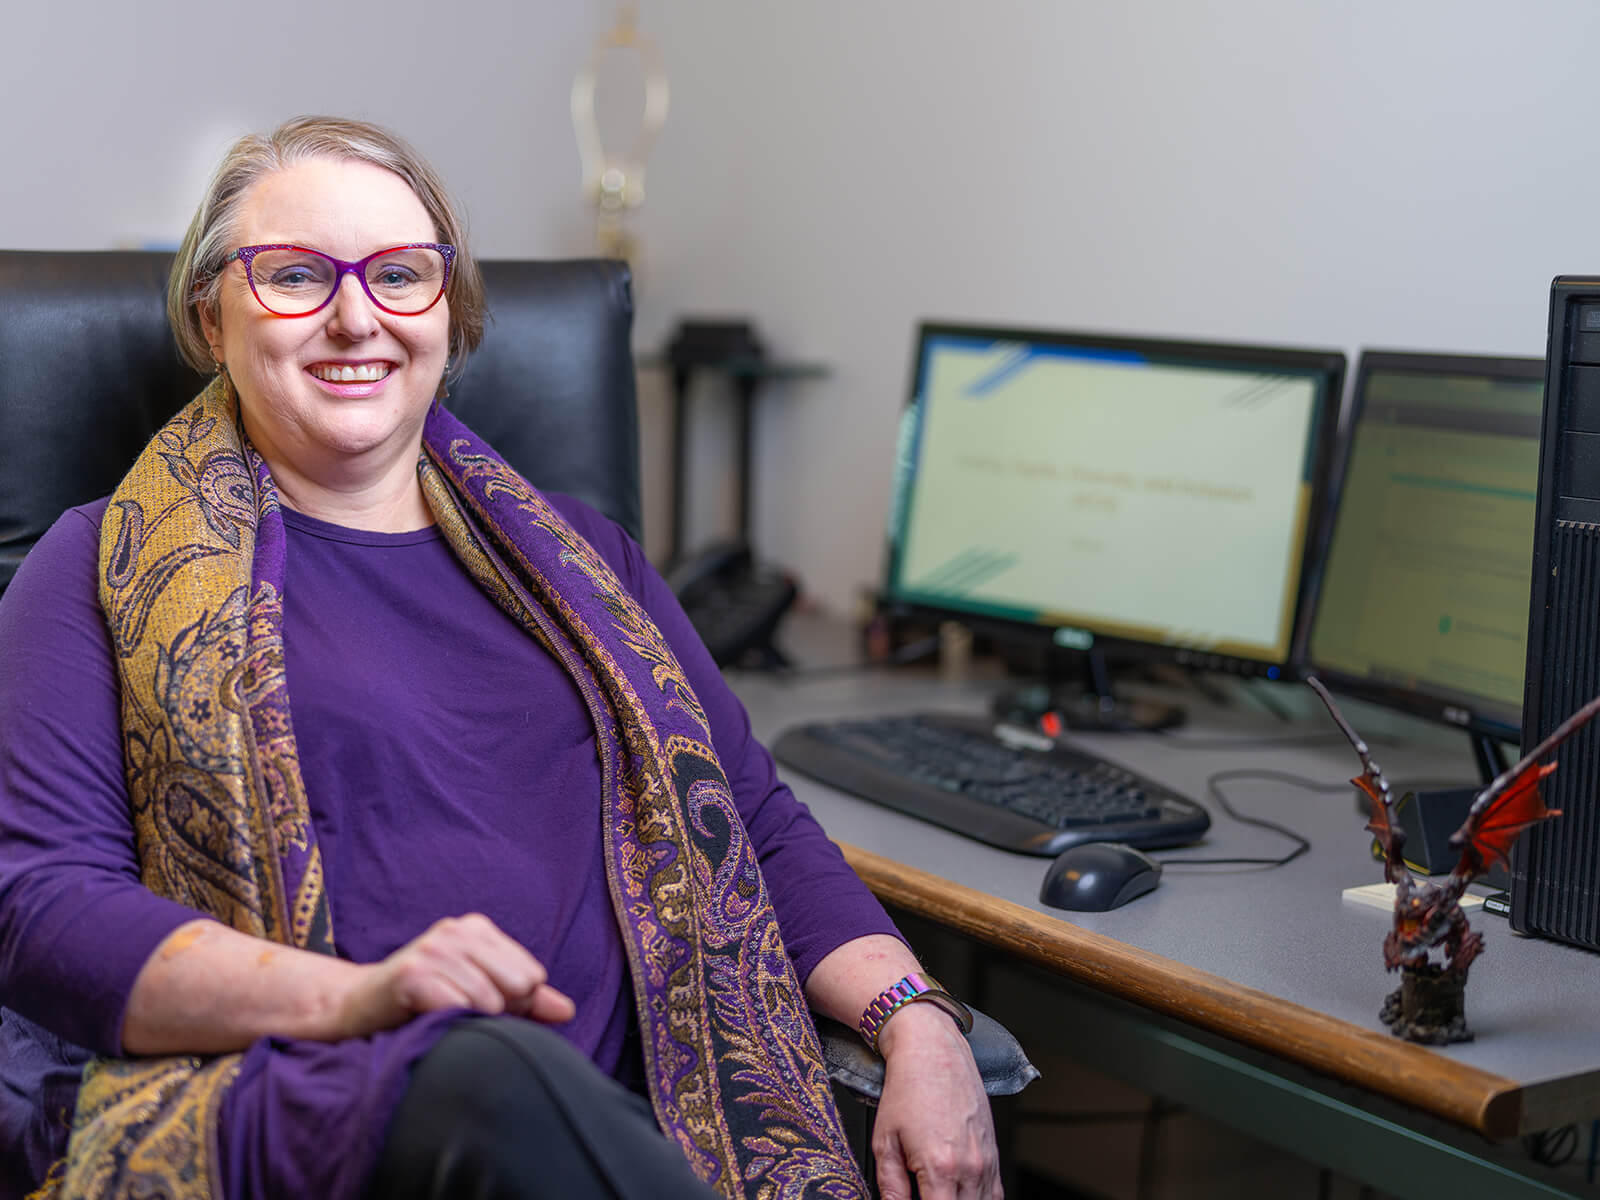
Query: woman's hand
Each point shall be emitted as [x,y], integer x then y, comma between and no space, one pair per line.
[459,962]
[933,1119]
[209,989]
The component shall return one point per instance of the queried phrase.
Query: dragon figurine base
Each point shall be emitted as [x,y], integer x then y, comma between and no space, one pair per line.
[1429,1006]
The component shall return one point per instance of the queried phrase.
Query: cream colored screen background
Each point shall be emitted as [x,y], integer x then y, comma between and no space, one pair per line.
[1154,501]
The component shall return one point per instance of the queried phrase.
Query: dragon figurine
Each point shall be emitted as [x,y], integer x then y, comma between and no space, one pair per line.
[1427,1007]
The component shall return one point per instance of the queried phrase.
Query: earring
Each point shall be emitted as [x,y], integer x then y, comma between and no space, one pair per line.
[222,377]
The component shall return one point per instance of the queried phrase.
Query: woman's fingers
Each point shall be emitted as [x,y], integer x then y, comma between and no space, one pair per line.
[420,984]
[469,962]
[551,1006]
[521,978]
[514,973]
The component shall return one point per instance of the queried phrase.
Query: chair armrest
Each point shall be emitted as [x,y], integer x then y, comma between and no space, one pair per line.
[1002,1063]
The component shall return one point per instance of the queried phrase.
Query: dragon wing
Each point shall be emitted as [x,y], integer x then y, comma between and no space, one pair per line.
[1381,822]
[1489,830]
[1391,838]
[1511,803]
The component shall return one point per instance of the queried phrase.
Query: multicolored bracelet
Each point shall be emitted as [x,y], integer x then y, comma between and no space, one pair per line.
[915,986]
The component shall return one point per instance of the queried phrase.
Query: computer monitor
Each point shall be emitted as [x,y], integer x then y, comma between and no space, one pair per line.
[1107,494]
[1422,594]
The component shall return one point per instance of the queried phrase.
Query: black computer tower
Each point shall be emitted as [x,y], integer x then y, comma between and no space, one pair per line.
[1555,867]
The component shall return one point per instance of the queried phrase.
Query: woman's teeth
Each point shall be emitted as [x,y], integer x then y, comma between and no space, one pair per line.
[364,373]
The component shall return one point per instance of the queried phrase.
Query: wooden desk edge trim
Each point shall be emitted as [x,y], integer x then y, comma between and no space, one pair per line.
[1488,1103]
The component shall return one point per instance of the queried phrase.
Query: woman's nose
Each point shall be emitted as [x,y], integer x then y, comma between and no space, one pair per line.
[351,311]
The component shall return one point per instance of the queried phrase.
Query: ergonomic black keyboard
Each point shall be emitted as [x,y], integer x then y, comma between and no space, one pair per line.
[997,783]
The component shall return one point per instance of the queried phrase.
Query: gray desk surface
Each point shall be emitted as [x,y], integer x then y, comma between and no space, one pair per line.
[1276,957]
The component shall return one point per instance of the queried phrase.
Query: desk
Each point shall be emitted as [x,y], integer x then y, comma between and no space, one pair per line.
[1257,988]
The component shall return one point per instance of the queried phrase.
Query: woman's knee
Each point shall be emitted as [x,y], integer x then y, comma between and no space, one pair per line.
[503,1107]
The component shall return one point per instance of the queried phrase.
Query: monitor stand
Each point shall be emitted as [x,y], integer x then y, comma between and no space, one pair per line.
[1084,706]
[1489,752]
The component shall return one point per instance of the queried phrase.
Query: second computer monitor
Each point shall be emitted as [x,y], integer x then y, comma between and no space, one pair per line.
[1423,597]
[1147,495]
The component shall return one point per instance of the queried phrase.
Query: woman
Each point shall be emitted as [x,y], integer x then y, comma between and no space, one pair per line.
[406,932]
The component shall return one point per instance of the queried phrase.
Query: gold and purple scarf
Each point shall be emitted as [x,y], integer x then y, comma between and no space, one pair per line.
[191,582]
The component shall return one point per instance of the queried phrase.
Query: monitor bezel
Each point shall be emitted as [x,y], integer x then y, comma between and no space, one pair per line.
[1456,710]
[1328,363]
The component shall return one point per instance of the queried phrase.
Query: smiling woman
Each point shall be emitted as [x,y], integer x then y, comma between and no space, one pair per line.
[355,797]
[333,396]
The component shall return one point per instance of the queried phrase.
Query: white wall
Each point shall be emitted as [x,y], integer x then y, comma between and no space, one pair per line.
[1404,173]
[116,113]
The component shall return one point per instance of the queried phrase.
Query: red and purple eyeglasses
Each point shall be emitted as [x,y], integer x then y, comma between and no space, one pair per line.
[296,281]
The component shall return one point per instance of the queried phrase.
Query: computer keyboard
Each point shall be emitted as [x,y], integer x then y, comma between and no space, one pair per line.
[1000,784]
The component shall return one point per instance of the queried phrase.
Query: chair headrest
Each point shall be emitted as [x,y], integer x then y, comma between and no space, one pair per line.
[89,371]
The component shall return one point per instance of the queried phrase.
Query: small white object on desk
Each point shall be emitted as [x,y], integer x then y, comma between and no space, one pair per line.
[1381,895]
[955,652]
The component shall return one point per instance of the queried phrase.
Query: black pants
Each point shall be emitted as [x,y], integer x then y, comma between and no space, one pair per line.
[505,1109]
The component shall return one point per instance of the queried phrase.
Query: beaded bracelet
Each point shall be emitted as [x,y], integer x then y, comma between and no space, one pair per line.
[915,986]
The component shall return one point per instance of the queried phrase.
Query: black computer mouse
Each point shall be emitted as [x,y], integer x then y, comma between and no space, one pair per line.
[1096,876]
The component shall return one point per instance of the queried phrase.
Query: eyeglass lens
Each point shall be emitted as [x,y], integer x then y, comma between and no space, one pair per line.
[293,282]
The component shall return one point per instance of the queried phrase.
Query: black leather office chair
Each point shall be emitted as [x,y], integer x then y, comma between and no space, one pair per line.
[89,371]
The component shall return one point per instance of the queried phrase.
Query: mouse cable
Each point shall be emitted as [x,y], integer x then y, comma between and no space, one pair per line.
[1302,844]
[1178,741]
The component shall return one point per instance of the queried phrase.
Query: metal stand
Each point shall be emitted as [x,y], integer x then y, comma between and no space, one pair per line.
[730,349]
[734,601]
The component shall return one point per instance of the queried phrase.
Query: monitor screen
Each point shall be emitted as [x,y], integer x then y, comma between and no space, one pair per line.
[1423,600]
[1153,496]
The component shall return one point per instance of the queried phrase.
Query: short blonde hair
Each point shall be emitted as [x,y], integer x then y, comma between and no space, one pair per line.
[196,281]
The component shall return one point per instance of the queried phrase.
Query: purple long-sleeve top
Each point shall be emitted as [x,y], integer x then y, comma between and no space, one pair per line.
[451,768]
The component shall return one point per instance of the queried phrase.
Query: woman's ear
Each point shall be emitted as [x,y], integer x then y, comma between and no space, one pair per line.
[212,328]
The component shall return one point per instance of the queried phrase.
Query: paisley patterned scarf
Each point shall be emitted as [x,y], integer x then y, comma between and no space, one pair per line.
[191,581]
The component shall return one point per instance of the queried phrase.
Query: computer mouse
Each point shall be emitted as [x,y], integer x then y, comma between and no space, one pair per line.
[1097,876]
